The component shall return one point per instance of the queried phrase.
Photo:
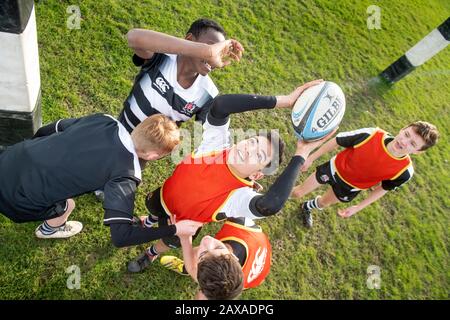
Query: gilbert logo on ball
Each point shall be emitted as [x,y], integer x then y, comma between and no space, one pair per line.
[318,111]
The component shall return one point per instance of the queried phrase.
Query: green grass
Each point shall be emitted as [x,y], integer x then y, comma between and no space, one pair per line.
[287,43]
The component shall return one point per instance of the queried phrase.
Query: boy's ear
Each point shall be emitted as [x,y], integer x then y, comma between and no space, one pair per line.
[190,37]
[256,176]
[150,155]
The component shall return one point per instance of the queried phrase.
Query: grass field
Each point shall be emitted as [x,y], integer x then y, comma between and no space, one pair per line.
[287,43]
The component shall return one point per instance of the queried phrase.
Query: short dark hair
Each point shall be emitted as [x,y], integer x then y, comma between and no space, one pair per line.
[278,147]
[220,277]
[202,25]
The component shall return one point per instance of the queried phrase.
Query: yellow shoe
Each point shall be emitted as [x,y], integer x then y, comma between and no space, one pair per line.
[174,264]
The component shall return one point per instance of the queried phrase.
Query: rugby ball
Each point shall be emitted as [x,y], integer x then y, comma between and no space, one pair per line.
[318,111]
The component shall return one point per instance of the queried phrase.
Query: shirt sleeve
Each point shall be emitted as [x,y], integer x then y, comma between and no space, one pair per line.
[214,138]
[400,180]
[127,234]
[225,105]
[247,203]
[119,200]
[200,116]
[138,61]
[54,127]
[238,205]
[352,138]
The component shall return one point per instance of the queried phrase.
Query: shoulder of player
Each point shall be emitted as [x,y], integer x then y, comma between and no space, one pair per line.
[355,138]
[124,157]
[208,85]
[410,168]
[126,177]
[362,131]
[161,57]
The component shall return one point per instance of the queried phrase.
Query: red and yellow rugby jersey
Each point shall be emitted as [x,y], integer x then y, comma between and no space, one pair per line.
[259,252]
[369,162]
[200,186]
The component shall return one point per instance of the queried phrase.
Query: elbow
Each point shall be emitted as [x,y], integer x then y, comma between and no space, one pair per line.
[218,109]
[275,205]
[263,207]
[273,211]
[132,38]
[269,210]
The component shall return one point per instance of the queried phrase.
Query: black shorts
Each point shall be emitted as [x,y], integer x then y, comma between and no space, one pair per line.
[153,204]
[341,189]
[55,211]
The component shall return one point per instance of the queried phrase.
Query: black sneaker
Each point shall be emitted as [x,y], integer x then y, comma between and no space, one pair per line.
[307,218]
[141,262]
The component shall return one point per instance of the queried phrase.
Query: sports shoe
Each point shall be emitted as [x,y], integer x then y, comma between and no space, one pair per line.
[69,229]
[141,262]
[174,264]
[307,218]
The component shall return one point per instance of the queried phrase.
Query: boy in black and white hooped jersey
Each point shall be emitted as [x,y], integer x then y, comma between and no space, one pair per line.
[174,72]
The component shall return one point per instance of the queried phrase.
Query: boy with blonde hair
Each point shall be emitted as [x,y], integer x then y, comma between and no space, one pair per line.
[71,157]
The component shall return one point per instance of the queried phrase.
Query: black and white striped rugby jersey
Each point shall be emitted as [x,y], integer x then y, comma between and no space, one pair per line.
[156,90]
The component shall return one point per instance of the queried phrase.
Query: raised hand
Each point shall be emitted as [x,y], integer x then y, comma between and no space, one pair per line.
[187,228]
[222,53]
[304,148]
[288,101]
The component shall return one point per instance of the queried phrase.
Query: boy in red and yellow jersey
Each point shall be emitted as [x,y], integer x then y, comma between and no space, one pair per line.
[240,240]
[372,158]
[216,181]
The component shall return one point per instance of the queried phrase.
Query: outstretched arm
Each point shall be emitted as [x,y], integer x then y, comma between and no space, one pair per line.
[189,256]
[329,146]
[277,195]
[225,105]
[146,42]
[373,196]
[125,234]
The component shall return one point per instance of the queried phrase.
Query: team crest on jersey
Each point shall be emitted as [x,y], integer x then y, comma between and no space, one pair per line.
[258,264]
[189,107]
[161,85]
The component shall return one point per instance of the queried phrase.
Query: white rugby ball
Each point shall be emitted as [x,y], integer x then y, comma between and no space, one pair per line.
[318,111]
